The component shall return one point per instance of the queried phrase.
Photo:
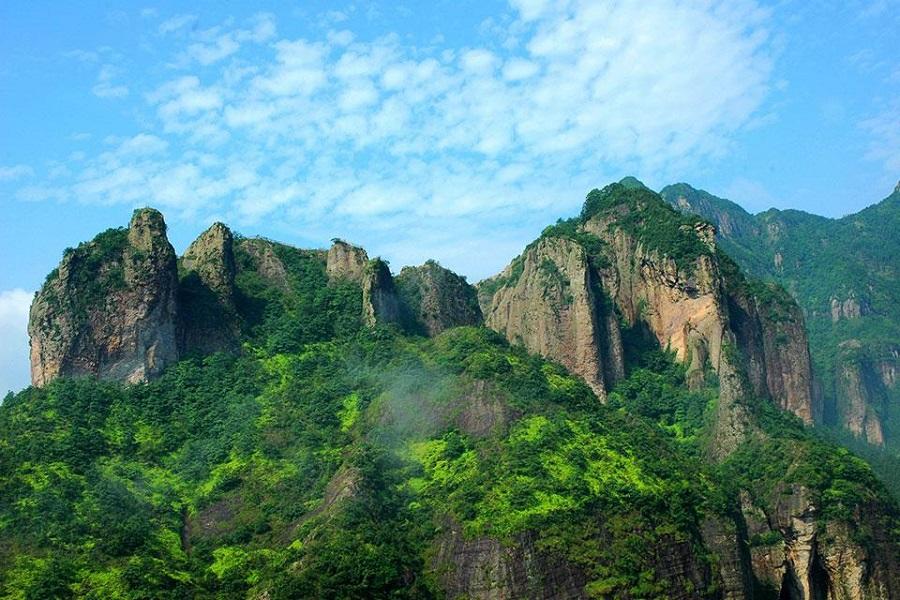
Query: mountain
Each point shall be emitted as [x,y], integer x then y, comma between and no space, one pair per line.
[844,274]
[620,413]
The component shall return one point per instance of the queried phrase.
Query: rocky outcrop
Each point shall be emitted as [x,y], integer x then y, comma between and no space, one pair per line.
[261,257]
[564,300]
[110,309]
[548,301]
[346,261]
[209,319]
[849,308]
[435,298]
[795,555]
[381,305]
[858,395]
[771,335]
[483,568]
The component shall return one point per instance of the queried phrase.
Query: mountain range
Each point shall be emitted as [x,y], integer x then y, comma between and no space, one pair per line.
[653,400]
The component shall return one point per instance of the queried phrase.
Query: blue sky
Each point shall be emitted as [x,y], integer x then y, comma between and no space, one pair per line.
[448,130]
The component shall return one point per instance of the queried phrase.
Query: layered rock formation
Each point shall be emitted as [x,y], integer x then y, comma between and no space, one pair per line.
[436,298]
[110,310]
[346,261]
[553,300]
[380,301]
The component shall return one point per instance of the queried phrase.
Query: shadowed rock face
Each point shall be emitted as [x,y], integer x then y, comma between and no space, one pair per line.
[110,311]
[436,298]
[209,320]
[381,304]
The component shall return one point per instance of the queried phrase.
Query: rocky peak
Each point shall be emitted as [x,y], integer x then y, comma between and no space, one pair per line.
[209,321]
[381,305]
[346,261]
[436,298]
[110,309]
[631,255]
[211,256]
[547,300]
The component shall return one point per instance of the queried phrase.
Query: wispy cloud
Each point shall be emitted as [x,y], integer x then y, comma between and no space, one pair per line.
[340,134]
[106,86]
[14,172]
[884,138]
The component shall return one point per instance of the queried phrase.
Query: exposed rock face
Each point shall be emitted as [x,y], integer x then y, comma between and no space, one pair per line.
[111,310]
[549,304]
[555,302]
[380,302]
[266,262]
[795,556]
[484,568]
[856,395]
[849,308]
[684,311]
[346,261]
[436,298]
[771,335]
[209,321]
[211,256]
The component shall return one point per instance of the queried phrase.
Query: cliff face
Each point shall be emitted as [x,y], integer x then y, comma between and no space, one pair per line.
[110,310]
[346,261]
[793,554]
[564,298]
[861,389]
[209,318]
[843,274]
[380,301]
[435,298]
[548,302]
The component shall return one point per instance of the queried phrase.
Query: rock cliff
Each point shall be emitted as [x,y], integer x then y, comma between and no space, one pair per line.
[631,259]
[110,309]
[843,274]
[435,298]
[548,300]
[381,304]
[209,317]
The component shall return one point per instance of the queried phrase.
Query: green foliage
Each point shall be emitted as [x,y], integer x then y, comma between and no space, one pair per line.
[96,269]
[644,215]
[307,308]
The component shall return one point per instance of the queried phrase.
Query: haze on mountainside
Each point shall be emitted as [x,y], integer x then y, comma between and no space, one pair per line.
[646,395]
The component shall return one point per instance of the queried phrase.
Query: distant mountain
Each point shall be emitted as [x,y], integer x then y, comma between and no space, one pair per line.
[845,274]
[622,412]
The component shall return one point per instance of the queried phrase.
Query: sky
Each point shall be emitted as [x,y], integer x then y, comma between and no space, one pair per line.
[453,130]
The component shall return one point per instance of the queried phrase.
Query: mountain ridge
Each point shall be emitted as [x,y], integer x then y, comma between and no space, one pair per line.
[629,424]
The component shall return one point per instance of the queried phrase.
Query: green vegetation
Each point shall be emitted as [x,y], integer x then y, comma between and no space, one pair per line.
[643,215]
[304,308]
[331,470]
[819,261]
[331,460]
[96,268]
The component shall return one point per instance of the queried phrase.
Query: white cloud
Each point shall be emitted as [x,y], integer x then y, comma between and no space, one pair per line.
[176,23]
[380,137]
[14,172]
[106,87]
[884,138]
[14,360]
